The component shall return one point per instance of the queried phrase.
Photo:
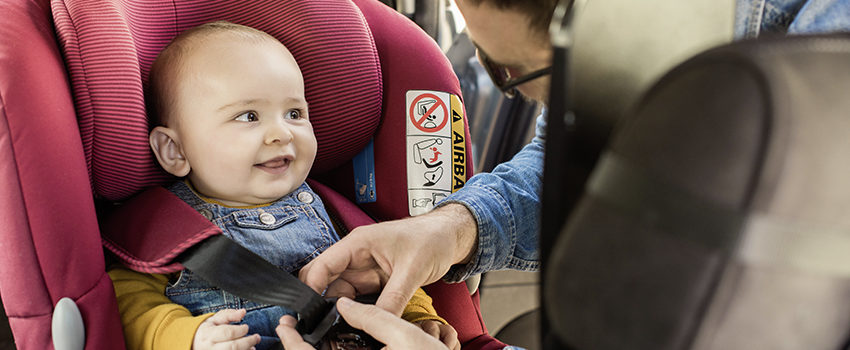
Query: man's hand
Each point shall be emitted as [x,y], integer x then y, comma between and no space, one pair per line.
[443,332]
[399,256]
[217,332]
[289,337]
[387,328]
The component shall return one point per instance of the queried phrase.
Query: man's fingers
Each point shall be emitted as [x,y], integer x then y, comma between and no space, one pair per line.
[316,276]
[448,335]
[341,288]
[431,328]
[398,291]
[391,330]
[244,343]
[289,337]
[225,333]
[227,316]
[326,267]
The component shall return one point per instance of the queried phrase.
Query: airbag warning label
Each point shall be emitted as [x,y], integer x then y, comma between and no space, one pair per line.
[436,148]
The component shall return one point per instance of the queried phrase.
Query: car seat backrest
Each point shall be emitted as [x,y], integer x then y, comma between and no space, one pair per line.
[109,46]
[718,216]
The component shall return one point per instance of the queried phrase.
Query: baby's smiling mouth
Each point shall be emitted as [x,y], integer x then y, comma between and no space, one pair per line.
[275,165]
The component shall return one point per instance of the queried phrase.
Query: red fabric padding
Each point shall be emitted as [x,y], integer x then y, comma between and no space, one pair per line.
[50,240]
[150,229]
[340,207]
[462,311]
[110,45]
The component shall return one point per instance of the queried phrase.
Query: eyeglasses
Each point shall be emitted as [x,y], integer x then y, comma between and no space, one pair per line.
[502,77]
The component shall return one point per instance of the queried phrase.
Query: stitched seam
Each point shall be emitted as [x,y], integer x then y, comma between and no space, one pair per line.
[26,213]
[757,14]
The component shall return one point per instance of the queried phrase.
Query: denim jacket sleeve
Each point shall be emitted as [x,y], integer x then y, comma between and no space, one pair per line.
[506,206]
[757,17]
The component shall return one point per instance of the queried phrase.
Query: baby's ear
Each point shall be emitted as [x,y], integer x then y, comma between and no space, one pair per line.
[169,153]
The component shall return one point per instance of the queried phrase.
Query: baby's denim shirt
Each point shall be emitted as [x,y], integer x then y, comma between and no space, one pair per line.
[288,233]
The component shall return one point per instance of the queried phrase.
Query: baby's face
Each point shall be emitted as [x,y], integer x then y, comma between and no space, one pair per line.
[242,120]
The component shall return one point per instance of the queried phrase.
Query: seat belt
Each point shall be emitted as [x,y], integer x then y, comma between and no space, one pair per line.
[241,272]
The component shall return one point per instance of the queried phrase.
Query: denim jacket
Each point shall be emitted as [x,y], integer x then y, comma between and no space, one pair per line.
[288,233]
[506,202]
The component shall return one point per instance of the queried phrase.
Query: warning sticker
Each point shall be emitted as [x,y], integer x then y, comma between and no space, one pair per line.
[436,148]
[428,112]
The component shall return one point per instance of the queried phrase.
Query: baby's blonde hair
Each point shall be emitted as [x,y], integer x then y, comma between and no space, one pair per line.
[160,91]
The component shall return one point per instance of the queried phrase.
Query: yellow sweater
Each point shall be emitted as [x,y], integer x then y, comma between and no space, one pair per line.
[152,321]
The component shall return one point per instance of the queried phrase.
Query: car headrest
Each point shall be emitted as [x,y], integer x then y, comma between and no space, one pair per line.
[718,216]
[109,46]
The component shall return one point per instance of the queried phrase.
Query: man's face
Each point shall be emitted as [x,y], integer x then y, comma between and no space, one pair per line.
[242,121]
[508,40]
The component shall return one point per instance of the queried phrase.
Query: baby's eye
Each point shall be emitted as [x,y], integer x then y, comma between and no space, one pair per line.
[247,117]
[293,114]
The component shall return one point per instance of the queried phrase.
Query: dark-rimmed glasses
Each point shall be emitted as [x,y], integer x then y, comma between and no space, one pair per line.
[502,77]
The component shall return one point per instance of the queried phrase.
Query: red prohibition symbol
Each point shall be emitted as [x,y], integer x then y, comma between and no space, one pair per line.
[420,123]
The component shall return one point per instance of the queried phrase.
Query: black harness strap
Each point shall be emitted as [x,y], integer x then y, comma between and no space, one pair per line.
[239,271]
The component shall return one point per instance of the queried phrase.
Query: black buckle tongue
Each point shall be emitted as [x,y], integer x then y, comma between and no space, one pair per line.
[314,336]
[332,332]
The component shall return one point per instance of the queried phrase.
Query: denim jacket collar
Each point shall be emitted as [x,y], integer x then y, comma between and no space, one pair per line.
[212,210]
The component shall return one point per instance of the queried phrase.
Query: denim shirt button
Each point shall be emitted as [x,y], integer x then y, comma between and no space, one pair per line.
[267,218]
[305,197]
[207,214]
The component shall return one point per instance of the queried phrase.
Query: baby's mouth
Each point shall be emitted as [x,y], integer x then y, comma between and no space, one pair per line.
[275,165]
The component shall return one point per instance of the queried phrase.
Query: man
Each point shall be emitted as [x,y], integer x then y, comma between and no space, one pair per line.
[492,222]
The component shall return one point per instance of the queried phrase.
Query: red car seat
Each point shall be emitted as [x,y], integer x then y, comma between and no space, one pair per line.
[74,135]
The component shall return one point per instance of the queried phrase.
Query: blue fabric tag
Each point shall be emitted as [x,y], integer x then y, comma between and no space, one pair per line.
[364,174]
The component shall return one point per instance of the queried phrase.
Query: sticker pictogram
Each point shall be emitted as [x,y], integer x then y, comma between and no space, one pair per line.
[428,113]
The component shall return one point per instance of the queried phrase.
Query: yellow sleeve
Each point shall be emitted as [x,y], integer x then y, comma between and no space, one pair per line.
[149,318]
[419,308]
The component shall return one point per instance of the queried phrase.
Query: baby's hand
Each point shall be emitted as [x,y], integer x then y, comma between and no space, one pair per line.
[445,333]
[217,332]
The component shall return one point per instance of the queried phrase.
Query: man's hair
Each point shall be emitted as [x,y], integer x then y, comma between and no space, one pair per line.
[539,12]
[159,93]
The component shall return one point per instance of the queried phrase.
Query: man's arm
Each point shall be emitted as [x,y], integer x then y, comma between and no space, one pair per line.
[506,206]
[492,223]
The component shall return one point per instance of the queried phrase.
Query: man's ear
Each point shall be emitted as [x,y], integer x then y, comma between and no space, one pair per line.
[169,153]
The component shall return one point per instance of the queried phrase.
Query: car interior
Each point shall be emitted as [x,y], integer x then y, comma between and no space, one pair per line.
[694,187]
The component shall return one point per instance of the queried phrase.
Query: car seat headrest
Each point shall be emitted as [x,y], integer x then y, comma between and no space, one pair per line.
[109,47]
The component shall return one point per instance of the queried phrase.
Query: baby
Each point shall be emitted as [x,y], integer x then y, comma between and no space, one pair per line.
[234,123]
